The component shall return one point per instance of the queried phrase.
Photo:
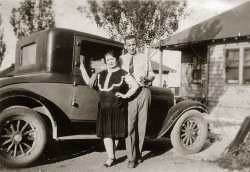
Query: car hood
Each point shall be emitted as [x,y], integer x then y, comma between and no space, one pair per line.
[160,91]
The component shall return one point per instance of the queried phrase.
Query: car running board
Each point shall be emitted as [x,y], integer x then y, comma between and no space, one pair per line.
[74,137]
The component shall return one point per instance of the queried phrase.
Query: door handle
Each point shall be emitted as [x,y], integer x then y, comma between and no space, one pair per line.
[74,103]
[78,43]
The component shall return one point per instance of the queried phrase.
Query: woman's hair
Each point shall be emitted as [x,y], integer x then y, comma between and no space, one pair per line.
[111,53]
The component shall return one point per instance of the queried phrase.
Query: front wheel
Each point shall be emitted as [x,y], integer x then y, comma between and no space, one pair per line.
[189,133]
[22,136]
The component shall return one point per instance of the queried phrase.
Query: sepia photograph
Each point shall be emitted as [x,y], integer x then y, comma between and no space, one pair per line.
[121,85]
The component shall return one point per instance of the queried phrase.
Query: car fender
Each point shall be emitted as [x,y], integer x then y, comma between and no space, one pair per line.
[176,111]
[20,92]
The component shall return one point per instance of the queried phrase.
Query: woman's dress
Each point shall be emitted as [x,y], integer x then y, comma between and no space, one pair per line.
[112,111]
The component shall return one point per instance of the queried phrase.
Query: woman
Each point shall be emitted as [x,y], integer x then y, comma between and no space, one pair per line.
[115,85]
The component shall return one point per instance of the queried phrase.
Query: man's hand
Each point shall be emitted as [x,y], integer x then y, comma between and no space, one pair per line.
[145,81]
[92,80]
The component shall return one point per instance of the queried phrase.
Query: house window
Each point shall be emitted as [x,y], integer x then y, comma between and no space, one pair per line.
[196,71]
[232,66]
[246,67]
[237,66]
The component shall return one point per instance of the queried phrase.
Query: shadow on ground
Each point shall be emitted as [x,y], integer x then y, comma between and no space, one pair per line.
[156,147]
[65,150]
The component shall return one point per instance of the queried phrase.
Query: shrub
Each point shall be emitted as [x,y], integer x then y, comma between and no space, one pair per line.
[238,158]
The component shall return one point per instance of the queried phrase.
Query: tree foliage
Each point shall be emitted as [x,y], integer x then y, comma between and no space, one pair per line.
[2,44]
[149,20]
[32,16]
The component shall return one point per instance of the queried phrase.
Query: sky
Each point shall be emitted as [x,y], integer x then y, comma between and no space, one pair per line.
[67,16]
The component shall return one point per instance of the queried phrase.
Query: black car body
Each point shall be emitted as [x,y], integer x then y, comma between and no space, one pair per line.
[46,97]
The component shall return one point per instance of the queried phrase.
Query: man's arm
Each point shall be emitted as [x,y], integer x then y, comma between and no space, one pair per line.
[147,80]
[151,75]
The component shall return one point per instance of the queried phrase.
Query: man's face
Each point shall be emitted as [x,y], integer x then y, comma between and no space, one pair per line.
[130,46]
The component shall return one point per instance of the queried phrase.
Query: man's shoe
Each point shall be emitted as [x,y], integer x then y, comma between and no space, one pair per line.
[132,164]
[139,160]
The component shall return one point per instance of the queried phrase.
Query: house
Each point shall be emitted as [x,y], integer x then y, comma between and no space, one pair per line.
[215,61]
[165,69]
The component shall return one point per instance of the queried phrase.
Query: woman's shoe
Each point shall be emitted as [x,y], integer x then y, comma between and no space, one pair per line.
[109,162]
[132,164]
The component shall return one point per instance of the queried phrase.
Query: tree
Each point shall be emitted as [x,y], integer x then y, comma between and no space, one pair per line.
[32,16]
[2,44]
[149,20]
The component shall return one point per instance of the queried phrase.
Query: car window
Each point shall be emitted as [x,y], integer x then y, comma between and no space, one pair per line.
[28,55]
[93,54]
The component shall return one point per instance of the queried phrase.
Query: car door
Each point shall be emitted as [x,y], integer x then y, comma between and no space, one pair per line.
[85,100]
[92,50]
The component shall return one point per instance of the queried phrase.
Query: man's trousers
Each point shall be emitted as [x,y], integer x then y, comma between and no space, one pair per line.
[137,120]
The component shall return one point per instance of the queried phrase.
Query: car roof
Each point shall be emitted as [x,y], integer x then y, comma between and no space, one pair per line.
[73,32]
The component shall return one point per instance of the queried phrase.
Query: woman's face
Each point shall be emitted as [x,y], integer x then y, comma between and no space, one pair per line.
[110,61]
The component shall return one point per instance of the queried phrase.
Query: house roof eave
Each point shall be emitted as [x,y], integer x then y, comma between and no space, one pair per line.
[232,23]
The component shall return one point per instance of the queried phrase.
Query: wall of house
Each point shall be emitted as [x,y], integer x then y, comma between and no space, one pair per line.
[228,101]
[188,88]
[191,88]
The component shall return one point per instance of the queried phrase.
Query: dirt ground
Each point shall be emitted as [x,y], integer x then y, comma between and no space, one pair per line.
[89,155]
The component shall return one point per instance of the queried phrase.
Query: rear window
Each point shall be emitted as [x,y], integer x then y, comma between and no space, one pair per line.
[28,55]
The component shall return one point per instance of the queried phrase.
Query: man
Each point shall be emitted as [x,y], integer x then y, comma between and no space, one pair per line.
[139,66]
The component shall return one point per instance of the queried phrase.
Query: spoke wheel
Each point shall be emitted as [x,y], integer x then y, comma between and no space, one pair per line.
[189,133]
[22,136]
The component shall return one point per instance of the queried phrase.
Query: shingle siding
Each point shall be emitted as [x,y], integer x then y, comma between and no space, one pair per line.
[231,101]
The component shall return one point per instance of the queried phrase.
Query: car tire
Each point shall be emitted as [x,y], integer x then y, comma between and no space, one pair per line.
[23,136]
[189,133]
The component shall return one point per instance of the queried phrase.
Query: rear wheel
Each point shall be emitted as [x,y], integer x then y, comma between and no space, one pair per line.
[23,136]
[189,133]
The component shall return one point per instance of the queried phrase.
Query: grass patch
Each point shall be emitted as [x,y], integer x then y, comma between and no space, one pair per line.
[236,159]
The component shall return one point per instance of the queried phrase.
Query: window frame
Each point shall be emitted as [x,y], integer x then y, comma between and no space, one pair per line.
[241,47]
[197,69]
[226,54]
[244,50]
[21,59]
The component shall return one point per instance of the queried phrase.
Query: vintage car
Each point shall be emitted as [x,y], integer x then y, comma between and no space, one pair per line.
[44,97]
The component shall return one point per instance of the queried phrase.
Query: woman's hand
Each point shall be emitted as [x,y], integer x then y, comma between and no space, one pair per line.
[117,94]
